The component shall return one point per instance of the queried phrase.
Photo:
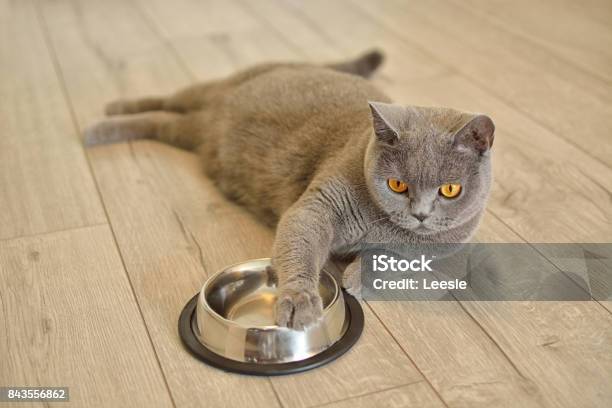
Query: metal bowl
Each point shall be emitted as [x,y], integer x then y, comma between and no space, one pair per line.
[230,323]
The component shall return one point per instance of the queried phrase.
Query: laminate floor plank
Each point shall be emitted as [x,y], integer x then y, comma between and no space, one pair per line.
[69,319]
[45,182]
[568,32]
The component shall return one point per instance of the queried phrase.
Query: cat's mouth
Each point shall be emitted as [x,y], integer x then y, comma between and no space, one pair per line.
[412,224]
[421,228]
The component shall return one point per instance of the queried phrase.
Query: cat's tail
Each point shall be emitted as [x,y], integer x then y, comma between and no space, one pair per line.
[364,65]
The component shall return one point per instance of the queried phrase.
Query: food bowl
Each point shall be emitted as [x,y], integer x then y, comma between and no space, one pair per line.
[229,324]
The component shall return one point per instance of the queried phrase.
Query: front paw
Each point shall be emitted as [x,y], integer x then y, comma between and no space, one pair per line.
[97,133]
[116,107]
[298,308]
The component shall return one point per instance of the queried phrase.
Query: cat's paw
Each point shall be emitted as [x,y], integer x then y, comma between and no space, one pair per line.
[117,107]
[298,308]
[96,133]
[351,279]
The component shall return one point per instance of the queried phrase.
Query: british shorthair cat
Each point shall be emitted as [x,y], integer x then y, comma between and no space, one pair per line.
[322,154]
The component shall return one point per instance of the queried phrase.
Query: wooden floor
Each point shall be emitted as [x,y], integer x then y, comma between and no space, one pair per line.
[101,248]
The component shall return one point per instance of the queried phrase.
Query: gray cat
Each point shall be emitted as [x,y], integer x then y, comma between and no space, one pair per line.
[305,147]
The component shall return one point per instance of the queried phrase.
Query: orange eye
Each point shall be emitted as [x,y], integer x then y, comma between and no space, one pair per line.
[397,186]
[450,190]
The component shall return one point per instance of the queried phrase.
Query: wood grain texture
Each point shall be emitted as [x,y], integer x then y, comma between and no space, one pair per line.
[567,32]
[549,340]
[45,183]
[579,334]
[417,395]
[69,319]
[575,105]
[375,363]
[340,40]
[460,361]
[185,18]
[598,11]
[104,50]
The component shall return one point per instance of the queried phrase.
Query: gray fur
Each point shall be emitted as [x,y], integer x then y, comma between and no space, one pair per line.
[302,148]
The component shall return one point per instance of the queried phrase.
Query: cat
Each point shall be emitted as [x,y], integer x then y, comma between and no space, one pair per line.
[325,156]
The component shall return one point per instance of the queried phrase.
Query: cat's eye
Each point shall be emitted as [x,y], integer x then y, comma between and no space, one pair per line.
[450,190]
[397,186]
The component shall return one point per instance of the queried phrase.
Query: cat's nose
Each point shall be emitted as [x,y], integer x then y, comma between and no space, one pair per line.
[420,216]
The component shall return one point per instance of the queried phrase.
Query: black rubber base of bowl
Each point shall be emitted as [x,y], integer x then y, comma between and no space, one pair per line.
[198,350]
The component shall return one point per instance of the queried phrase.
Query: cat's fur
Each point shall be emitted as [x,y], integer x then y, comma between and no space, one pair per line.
[306,148]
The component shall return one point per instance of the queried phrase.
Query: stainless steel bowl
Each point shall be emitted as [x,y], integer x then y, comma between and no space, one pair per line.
[234,317]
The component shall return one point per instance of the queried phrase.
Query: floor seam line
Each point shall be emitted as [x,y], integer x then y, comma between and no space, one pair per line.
[492,212]
[407,355]
[51,232]
[62,83]
[366,394]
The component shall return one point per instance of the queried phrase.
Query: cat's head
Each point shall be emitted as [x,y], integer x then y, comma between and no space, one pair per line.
[429,169]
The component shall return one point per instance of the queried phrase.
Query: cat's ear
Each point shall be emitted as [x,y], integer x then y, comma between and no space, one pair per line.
[476,135]
[382,118]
